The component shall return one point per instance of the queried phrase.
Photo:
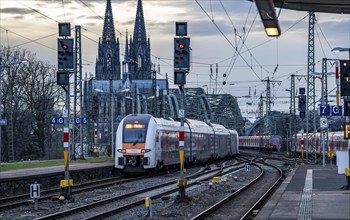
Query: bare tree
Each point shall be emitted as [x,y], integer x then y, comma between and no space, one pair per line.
[33,96]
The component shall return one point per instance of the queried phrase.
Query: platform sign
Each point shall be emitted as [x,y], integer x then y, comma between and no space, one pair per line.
[78,121]
[331,110]
[336,111]
[59,121]
[346,131]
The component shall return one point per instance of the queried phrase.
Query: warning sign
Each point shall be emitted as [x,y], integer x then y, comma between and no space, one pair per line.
[323,123]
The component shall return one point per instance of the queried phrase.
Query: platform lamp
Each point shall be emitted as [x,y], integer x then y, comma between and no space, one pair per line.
[111,117]
[341,49]
[268,16]
[347,169]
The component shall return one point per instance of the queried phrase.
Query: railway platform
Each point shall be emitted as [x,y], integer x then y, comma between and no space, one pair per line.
[309,192]
[52,170]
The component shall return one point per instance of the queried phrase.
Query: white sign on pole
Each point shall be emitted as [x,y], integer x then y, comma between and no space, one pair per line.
[323,123]
[34,191]
[65,113]
[181,113]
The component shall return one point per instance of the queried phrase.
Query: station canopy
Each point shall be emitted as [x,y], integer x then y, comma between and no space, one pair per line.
[328,6]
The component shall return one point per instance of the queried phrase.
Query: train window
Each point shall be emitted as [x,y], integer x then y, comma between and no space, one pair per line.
[134,135]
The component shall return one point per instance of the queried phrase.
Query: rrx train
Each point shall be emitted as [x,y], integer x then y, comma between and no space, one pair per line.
[145,143]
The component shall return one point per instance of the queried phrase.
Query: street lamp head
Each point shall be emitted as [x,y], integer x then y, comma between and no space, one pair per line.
[340,49]
[125,90]
[15,62]
[19,61]
[99,90]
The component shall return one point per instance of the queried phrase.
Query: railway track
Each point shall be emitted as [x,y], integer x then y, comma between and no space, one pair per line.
[117,204]
[243,202]
[16,201]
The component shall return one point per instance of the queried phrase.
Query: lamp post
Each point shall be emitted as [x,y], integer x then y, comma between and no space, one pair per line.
[341,49]
[323,77]
[3,122]
[111,118]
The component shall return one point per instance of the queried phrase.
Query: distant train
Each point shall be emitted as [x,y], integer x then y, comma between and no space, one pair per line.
[269,143]
[145,143]
[334,143]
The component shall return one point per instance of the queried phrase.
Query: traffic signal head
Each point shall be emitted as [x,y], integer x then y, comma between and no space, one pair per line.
[181,28]
[62,78]
[302,103]
[345,77]
[181,53]
[95,108]
[65,54]
[179,77]
[346,107]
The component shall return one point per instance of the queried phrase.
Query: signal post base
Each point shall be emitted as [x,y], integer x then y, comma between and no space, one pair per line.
[182,183]
[66,190]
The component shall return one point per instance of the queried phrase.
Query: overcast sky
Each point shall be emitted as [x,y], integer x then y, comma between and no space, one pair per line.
[216,28]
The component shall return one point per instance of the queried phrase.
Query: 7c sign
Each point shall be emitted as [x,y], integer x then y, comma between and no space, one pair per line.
[331,110]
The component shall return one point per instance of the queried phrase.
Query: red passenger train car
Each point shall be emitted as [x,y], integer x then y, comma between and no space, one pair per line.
[269,143]
[334,142]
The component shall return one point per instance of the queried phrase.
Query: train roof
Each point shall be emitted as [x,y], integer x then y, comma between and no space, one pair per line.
[169,124]
[199,126]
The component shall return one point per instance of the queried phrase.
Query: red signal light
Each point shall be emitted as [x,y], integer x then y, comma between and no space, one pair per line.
[181,46]
[64,46]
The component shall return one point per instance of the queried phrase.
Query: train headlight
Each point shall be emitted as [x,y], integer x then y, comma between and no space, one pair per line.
[121,150]
[145,150]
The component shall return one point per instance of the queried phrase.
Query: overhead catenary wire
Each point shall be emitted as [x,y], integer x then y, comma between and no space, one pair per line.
[224,35]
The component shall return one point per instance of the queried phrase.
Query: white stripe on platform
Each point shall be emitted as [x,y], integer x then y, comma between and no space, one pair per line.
[305,207]
[65,144]
[181,143]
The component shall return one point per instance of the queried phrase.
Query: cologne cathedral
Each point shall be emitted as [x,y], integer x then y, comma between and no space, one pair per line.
[137,57]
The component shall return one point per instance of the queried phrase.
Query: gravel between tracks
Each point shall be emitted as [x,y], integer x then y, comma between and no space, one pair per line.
[199,198]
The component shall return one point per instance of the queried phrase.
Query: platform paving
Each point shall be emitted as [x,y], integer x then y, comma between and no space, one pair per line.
[309,192]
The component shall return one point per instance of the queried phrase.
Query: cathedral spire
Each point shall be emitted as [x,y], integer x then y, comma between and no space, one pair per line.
[108,61]
[139,49]
[126,55]
[108,26]
[139,29]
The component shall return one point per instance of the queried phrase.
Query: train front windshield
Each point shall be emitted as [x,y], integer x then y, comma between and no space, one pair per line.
[134,133]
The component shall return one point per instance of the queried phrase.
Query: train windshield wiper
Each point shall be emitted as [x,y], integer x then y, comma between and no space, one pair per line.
[138,139]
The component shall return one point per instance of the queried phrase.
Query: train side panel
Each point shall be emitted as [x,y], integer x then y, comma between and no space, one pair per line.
[199,141]
[234,147]
[222,141]
[168,135]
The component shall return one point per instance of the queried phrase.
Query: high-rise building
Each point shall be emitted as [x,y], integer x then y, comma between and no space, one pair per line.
[108,60]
